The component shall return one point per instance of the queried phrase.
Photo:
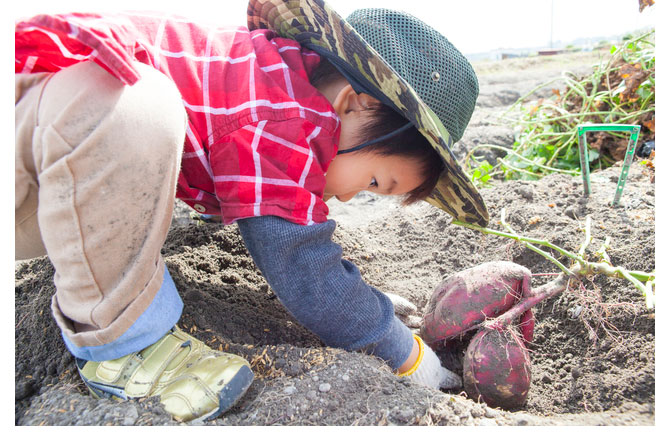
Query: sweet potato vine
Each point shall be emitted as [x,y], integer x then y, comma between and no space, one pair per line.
[579,268]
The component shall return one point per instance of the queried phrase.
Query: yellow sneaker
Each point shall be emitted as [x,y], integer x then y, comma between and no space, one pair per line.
[192,380]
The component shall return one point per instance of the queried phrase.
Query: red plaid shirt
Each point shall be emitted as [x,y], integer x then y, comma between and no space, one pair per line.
[260,137]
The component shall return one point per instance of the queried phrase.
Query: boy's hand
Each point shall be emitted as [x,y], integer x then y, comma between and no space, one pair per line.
[405,310]
[428,370]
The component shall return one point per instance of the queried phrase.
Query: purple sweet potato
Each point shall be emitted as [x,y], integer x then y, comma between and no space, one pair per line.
[496,368]
[467,298]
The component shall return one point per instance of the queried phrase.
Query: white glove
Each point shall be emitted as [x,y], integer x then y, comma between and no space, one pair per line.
[429,371]
[405,310]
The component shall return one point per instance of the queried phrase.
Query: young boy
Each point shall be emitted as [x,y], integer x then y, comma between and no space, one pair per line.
[260,126]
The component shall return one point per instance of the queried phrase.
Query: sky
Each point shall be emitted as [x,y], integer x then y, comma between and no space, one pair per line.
[473,26]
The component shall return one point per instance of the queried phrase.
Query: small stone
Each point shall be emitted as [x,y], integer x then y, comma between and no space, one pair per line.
[24,389]
[572,212]
[405,415]
[575,312]
[294,369]
[522,420]
[345,377]
[290,389]
[477,412]
[486,422]
[131,416]
[311,395]
[525,192]
[576,373]
[315,378]
[324,387]
[490,412]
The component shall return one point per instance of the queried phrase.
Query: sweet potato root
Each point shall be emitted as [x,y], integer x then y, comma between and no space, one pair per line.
[527,326]
[467,298]
[496,368]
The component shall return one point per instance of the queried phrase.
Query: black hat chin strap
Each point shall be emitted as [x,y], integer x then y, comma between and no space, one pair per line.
[360,87]
[379,139]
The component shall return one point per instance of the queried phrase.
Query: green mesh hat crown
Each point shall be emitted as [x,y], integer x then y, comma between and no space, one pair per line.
[404,63]
[438,72]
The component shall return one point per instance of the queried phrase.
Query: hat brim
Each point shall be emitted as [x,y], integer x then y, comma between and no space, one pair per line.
[315,25]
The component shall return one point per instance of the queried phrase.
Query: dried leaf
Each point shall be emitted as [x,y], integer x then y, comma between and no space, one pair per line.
[645,3]
[633,77]
[651,125]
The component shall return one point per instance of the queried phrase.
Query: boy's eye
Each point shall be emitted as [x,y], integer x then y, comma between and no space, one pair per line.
[373,183]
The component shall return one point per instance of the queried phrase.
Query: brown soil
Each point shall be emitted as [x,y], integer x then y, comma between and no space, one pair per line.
[593,356]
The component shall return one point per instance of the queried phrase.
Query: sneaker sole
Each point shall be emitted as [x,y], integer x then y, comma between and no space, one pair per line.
[231,393]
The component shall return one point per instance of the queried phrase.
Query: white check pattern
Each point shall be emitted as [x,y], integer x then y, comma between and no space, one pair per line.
[259,137]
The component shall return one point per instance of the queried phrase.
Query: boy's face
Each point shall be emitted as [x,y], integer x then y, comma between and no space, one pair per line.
[349,174]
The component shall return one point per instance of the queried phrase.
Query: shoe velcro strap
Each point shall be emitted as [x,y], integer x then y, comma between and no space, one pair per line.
[145,377]
[110,371]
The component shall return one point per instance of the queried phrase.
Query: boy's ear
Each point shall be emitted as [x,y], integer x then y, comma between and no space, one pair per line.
[347,100]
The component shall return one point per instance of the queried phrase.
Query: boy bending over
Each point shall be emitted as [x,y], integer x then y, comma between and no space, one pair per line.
[259,125]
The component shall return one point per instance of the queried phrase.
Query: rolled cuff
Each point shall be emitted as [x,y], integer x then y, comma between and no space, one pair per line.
[161,315]
[396,345]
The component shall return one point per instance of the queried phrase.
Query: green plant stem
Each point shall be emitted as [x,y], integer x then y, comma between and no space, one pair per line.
[626,116]
[641,276]
[584,268]
[559,149]
[546,255]
[517,155]
[519,170]
[587,240]
[602,252]
[649,294]
[523,240]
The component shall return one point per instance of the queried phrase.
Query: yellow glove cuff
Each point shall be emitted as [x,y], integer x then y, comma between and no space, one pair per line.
[419,358]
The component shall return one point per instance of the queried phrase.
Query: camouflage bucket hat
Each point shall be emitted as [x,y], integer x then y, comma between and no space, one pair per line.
[405,64]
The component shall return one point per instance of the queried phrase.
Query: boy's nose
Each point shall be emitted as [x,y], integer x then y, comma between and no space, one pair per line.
[346,197]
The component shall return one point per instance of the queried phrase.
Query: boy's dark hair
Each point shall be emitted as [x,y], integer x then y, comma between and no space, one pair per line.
[409,143]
